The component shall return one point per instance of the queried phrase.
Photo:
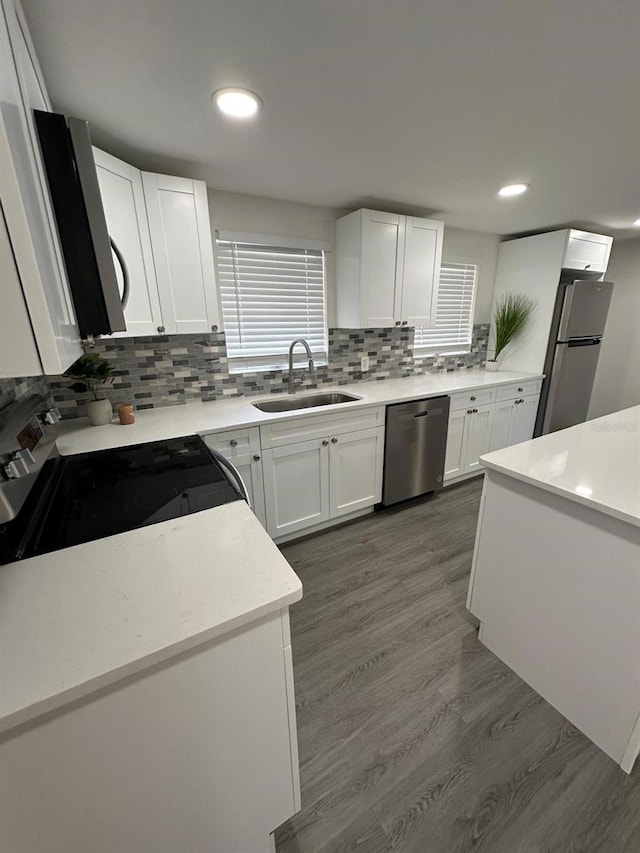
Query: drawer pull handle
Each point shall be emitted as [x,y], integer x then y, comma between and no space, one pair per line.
[520,390]
[469,411]
[233,442]
[334,441]
[256,457]
[475,411]
[397,322]
[325,441]
[473,399]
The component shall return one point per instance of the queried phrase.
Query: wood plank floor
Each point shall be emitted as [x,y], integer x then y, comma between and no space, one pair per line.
[413,737]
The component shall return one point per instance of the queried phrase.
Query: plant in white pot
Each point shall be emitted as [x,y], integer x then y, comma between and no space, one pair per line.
[89,373]
[510,316]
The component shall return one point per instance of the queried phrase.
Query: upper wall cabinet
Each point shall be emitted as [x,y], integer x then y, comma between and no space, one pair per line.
[586,251]
[388,268]
[178,214]
[126,215]
[48,323]
[161,230]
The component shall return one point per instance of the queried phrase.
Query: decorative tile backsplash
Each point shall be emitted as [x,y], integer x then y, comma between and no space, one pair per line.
[13,389]
[171,370]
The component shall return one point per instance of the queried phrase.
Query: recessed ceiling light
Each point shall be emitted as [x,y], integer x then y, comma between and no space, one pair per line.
[513,189]
[636,223]
[238,103]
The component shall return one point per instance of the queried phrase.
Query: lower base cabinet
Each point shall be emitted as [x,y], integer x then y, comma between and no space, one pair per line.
[242,448]
[198,754]
[513,422]
[467,439]
[311,482]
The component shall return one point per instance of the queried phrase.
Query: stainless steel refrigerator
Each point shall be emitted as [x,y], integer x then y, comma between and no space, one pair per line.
[572,355]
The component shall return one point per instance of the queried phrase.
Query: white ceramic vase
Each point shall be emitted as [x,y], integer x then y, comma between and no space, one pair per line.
[99,412]
[491,365]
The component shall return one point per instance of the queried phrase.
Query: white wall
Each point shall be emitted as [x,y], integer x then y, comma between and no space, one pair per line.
[617,383]
[258,215]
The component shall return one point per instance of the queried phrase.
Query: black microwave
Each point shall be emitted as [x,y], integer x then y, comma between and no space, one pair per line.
[77,205]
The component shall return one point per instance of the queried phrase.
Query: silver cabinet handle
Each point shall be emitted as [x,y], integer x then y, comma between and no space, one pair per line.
[334,441]
[325,441]
[520,390]
[161,329]
[233,442]
[475,411]
[473,399]
[214,328]
[256,457]
[397,322]
[405,322]
[469,411]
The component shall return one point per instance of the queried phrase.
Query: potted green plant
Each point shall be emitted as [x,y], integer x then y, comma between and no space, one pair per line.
[89,373]
[510,316]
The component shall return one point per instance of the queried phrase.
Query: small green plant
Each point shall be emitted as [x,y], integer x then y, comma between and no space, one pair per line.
[510,316]
[88,373]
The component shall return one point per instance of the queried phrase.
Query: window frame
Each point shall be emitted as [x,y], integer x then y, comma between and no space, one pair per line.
[277,361]
[429,350]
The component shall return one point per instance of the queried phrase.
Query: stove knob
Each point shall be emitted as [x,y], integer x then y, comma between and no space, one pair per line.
[52,416]
[16,468]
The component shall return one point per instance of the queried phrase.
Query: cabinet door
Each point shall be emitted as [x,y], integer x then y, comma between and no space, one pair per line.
[454,463]
[420,271]
[523,419]
[587,251]
[126,215]
[355,471]
[25,200]
[249,467]
[380,264]
[296,486]
[178,214]
[477,437]
[502,413]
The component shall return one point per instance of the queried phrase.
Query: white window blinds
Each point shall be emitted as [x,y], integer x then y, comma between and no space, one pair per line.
[454,312]
[270,295]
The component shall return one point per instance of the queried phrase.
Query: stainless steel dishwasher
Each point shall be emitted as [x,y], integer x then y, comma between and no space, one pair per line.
[414,449]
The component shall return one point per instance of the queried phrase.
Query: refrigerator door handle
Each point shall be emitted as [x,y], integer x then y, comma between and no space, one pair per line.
[584,342]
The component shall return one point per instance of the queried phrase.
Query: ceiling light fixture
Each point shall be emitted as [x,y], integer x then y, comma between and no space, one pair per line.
[512,189]
[237,103]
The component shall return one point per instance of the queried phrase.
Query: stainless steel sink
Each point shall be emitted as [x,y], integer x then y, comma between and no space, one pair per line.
[289,404]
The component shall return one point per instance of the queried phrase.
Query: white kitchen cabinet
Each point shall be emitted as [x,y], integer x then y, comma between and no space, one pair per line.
[308,483]
[28,216]
[126,215]
[242,448]
[388,268]
[454,461]
[468,438]
[355,471]
[178,215]
[296,484]
[523,419]
[587,251]
[513,421]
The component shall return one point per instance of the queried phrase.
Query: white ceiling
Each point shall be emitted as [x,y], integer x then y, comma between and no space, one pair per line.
[428,105]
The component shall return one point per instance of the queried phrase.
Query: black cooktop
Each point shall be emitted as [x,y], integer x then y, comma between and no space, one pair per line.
[93,495]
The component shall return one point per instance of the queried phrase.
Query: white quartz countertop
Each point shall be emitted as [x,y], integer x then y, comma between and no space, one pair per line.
[596,464]
[77,436]
[78,620]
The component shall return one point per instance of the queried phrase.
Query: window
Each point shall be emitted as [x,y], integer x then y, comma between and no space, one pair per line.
[454,313]
[272,291]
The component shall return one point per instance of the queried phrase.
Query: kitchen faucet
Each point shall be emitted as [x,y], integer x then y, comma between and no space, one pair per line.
[292,389]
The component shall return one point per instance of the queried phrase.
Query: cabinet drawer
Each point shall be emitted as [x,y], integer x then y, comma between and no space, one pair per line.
[472,398]
[518,389]
[234,442]
[294,430]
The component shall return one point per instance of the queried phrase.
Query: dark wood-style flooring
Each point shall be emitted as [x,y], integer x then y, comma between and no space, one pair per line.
[413,737]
